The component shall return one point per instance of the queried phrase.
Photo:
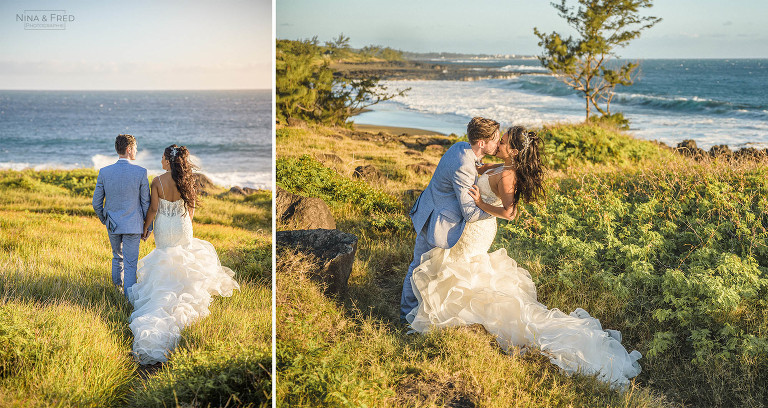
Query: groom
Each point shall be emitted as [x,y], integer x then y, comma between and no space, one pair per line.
[121,200]
[445,206]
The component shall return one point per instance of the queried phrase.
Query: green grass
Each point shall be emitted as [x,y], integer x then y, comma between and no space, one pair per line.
[669,251]
[64,330]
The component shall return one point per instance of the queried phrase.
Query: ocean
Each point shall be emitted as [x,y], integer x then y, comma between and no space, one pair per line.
[229,133]
[712,101]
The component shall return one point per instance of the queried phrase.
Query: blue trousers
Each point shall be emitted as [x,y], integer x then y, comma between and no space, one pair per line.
[125,257]
[408,300]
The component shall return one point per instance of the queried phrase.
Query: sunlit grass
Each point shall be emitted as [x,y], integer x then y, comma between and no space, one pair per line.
[64,328]
[335,355]
[354,351]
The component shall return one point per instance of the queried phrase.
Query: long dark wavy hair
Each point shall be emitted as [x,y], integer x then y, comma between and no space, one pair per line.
[530,172]
[181,173]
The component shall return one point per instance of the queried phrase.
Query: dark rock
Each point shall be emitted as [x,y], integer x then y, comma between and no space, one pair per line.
[426,141]
[410,152]
[328,157]
[203,185]
[237,190]
[720,150]
[750,153]
[293,122]
[249,190]
[368,172]
[689,148]
[334,249]
[300,212]
[423,168]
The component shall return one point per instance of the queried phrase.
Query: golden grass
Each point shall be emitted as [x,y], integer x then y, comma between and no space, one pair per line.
[354,352]
[65,328]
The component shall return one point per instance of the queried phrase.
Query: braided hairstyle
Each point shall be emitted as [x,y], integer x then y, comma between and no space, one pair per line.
[181,173]
[529,172]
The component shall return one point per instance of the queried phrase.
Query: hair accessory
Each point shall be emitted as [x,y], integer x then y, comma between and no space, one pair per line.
[526,143]
[174,152]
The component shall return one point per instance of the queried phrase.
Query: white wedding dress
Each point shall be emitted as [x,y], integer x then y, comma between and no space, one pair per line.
[174,286]
[466,285]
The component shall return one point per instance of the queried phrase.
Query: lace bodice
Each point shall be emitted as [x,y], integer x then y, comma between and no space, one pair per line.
[477,236]
[484,184]
[172,224]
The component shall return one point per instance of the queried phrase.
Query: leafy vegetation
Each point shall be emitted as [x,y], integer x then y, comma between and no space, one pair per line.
[307,88]
[569,146]
[670,251]
[64,337]
[679,255]
[306,176]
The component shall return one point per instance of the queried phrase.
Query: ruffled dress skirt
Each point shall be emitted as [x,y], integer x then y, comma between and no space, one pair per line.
[174,288]
[490,289]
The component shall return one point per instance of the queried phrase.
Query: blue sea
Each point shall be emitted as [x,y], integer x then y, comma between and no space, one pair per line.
[712,101]
[229,133]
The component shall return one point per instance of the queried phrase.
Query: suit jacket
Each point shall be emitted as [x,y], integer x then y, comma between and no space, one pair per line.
[445,206]
[121,197]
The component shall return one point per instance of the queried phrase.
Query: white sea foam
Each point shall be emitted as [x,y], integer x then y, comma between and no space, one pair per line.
[261,180]
[488,99]
[523,68]
[504,101]
[19,166]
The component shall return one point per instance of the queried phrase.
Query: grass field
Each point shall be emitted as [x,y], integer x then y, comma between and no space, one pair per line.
[670,251]
[64,336]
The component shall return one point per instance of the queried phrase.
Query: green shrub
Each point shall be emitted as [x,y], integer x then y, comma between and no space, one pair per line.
[79,181]
[573,145]
[307,88]
[306,176]
[677,257]
[614,120]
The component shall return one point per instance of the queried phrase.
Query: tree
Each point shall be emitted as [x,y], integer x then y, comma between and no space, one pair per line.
[583,62]
[307,87]
[339,47]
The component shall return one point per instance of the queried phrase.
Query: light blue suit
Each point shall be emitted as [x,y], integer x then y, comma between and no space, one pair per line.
[121,200]
[442,210]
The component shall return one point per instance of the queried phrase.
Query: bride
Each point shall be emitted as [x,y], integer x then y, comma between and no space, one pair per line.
[175,281]
[465,284]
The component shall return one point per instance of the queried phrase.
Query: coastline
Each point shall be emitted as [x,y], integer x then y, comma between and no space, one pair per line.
[419,70]
[396,130]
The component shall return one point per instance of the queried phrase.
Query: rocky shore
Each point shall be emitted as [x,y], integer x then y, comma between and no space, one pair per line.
[417,70]
[723,152]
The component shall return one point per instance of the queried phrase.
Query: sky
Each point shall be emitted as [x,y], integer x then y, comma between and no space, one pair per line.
[689,29]
[137,45]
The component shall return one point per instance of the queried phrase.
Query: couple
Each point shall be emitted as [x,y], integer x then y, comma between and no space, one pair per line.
[453,280]
[172,286]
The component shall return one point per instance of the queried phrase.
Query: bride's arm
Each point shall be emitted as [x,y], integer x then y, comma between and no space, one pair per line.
[152,211]
[506,185]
